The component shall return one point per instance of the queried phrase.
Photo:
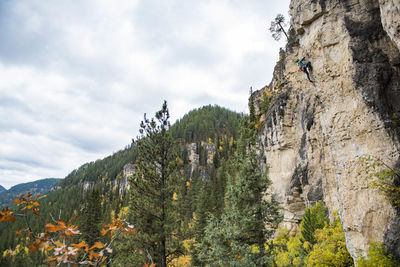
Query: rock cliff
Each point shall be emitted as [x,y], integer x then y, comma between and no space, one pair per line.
[313,134]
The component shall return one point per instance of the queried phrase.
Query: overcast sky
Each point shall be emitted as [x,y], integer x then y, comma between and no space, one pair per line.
[77,76]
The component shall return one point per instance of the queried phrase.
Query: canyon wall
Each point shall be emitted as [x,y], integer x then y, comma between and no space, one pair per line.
[313,134]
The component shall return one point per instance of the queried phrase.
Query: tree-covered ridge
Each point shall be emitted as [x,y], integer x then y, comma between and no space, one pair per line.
[108,168]
[40,186]
[206,122]
[2,189]
[106,175]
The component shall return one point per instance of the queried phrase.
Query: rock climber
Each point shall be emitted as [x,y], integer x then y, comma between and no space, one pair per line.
[304,67]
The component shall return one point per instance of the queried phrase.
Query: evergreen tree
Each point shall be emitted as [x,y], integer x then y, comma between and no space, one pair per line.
[277,27]
[250,216]
[314,218]
[153,192]
[92,218]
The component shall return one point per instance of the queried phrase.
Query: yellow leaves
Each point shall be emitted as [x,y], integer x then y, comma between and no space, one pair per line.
[179,161]
[181,261]
[175,196]
[187,184]
[231,142]
[6,215]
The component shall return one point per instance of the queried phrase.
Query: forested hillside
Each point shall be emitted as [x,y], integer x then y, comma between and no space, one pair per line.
[211,130]
[40,186]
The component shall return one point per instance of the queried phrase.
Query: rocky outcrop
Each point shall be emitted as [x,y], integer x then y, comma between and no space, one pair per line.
[390,10]
[315,134]
[210,150]
[194,157]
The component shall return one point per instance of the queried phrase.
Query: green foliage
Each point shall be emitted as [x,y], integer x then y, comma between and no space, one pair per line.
[92,218]
[377,256]
[287,250]
[206,122]
[318,244]
[252,110]
[277,27]
[207,183]
[266,100]
[153,186]
[314,218]
[249,219]
[382,177]
[107,168]
[330,249]
[42,186]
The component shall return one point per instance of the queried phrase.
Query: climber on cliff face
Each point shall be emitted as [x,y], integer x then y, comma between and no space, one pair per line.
[304,67]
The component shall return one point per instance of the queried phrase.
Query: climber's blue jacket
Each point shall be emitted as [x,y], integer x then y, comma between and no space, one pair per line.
[300,62]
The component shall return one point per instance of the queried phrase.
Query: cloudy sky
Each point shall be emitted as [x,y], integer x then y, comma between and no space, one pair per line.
[77,76]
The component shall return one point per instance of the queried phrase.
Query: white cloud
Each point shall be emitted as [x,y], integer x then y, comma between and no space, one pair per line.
[76,78]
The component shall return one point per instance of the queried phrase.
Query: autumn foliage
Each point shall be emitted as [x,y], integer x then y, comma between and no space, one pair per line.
[60,240]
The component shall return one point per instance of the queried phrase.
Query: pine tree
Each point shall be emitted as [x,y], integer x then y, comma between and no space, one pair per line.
[92,218]
[250,216]
[314,218]
[153,185]
[277,27]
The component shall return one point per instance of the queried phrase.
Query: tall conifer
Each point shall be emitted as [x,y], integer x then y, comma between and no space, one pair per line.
[92,218]
[153,192]
[250,215]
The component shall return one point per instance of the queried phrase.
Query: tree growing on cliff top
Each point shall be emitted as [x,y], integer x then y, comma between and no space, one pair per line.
[277,27]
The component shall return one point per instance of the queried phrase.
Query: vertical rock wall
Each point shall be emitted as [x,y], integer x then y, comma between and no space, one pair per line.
[315,134]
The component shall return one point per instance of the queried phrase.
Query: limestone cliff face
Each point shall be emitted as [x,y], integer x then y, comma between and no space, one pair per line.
[314,134]
[194,158]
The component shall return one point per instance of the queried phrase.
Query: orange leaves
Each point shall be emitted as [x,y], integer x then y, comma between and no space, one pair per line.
[82,245]
[28,203]
[37,244]
[97,245]
[94,255]
[58,239]
[120,225]
[36,211]
[151,265]
[69,229]
[6,215]
[103,232]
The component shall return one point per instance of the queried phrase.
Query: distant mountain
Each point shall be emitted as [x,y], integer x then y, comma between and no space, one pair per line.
[42,186]
[2,189]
